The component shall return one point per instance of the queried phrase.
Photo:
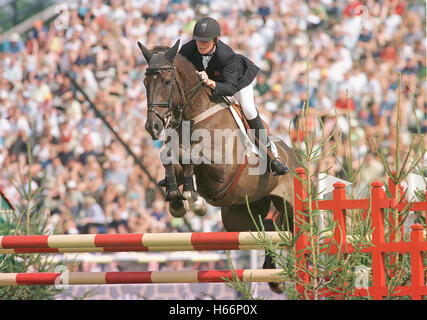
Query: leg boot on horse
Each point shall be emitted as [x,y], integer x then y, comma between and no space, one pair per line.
[195,201]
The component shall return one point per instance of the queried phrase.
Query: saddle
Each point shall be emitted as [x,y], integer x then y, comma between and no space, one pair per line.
[237,112]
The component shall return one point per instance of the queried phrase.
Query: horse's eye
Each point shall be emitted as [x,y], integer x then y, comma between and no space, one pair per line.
[167,82]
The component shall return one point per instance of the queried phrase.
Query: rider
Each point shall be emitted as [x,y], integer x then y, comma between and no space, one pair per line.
[227,74]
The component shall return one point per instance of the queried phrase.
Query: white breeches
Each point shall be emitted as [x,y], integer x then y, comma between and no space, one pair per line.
[245,97]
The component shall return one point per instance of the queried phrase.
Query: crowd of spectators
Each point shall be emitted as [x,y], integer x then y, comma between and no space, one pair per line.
[93,185]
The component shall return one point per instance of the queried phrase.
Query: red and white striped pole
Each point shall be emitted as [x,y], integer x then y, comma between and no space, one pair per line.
[87,278]
[135,242]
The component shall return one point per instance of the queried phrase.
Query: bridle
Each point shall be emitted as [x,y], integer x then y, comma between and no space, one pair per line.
[167,121]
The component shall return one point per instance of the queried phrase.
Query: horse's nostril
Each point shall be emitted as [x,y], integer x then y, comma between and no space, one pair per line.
[156,127]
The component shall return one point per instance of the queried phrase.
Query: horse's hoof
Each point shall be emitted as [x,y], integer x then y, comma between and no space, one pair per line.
[177,211]
[199,209]
[276,287]
[197,206]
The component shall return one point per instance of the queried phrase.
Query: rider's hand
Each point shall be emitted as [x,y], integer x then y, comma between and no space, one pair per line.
[205,79]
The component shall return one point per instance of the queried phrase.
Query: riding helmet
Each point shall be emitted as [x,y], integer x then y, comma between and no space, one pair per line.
[206,29]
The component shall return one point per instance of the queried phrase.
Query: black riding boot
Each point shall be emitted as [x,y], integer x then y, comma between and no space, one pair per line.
[276,166]
[162,183]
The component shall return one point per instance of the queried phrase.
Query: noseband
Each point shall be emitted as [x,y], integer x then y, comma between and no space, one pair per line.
[167,121]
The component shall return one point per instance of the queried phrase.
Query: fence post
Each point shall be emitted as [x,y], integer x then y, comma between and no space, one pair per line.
[378,238]
[425,201]
[340,232]
[417,261]
[300,195]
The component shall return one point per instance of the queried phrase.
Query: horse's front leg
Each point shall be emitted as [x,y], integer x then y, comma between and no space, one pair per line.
[173,195]
[195,201]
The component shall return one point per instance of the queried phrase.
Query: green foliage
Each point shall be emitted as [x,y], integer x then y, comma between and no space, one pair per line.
[28,218]
[245,288]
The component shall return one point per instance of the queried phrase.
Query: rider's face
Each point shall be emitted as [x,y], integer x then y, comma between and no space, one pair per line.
[205,47]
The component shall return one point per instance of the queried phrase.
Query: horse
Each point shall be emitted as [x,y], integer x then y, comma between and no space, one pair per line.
[176,96]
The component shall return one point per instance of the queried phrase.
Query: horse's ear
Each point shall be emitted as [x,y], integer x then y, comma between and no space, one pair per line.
[171,53]
[147,53]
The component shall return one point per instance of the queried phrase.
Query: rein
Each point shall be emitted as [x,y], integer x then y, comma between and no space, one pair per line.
[169,123]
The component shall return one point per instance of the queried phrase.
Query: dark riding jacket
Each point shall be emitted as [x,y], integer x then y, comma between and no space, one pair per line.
[230,71]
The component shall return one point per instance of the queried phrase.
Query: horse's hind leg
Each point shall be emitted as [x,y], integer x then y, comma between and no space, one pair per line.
[285,219]
[268,261]
[237,218]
